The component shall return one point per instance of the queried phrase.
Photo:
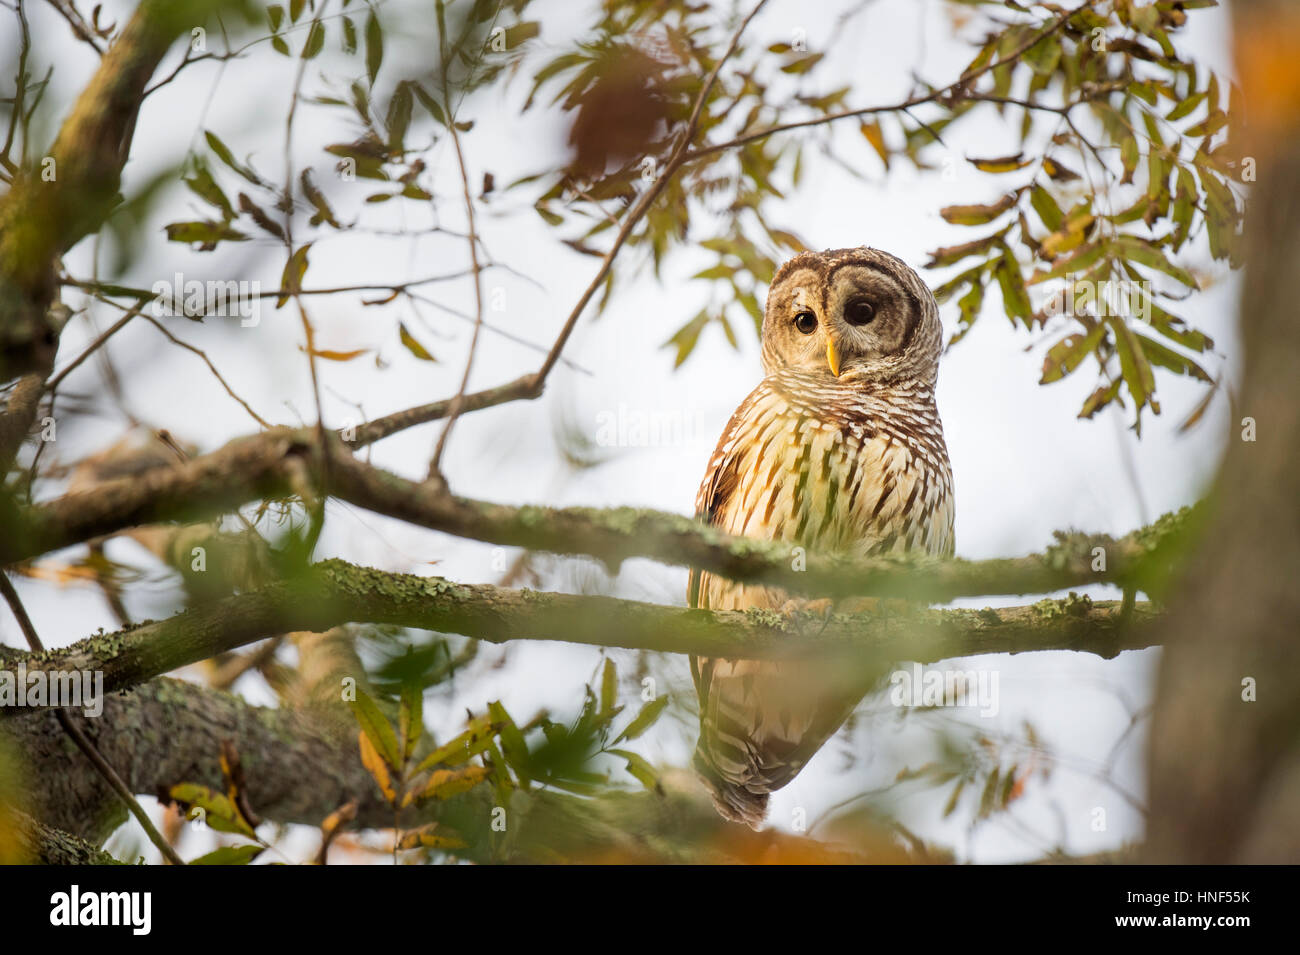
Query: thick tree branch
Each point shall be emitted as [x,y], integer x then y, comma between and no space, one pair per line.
[300,767]
[255,467]
[48,210]
[47,845]
[335,592]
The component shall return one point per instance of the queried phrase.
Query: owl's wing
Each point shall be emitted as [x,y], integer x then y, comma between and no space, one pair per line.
[721,480]
[714,499]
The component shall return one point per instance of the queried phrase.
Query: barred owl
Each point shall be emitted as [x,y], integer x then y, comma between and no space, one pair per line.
[839,449]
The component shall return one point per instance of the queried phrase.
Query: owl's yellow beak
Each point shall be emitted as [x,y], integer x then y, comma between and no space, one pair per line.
[832,357]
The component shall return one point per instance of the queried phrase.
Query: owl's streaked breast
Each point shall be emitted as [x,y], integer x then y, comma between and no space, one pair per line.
[860,474]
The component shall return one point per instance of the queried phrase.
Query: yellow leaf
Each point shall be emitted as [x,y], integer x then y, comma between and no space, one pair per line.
[977,214]
[429,837]
[413,346]
[378,768]
[876,136]
[446,783]
[339,355]
[1000,164]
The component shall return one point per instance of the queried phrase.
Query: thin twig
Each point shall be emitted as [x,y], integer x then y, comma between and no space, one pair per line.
[457,402]
[211,367]
[679,157]
[53,383]
[78,24]
[953,89]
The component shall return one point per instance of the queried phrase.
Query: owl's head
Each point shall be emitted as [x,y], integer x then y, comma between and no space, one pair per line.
[854,315]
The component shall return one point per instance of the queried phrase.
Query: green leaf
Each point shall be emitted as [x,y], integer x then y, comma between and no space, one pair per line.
[1157,174]
[1158,354]
[431,836]
[1175,329]
[608,687]
[1140,251]
[1066,355]
[374,46]
[206,233]
[202,184]
[686,337]
[644,719]
[433,108]
[1048,211]
[749,302]
[1184,206]
[1133,364]
[977,214]
[1080,260]
[291,278]
[224,154]
[399,116]
[317,198]
[1208,126]
[410,718]
[1129,156]
[969,305]
[639,768]
[219,811]
[803,64]
[445,783]
[549,217]
[1100,398]
[464,747]
[1015,297]
[513,747]
[377,729]
[521,33]
[315,40]
[719,271]
[1186,107]
[950,255]
[412,345]
[230,855]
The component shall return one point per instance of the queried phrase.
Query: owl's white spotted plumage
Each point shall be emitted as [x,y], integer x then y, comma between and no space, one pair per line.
[838,449]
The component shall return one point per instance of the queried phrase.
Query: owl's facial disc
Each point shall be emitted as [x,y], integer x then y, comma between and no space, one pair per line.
[869,320]
[852,315]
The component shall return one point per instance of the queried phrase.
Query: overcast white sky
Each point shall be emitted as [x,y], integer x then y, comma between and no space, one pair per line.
[1023,464]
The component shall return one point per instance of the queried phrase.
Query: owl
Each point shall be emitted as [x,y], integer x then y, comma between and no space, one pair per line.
[840,450]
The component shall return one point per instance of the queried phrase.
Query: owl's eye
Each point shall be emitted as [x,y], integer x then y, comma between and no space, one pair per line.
[806,322]
[859,312]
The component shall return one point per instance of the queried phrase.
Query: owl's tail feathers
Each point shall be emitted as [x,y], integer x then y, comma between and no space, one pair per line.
[734,802]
